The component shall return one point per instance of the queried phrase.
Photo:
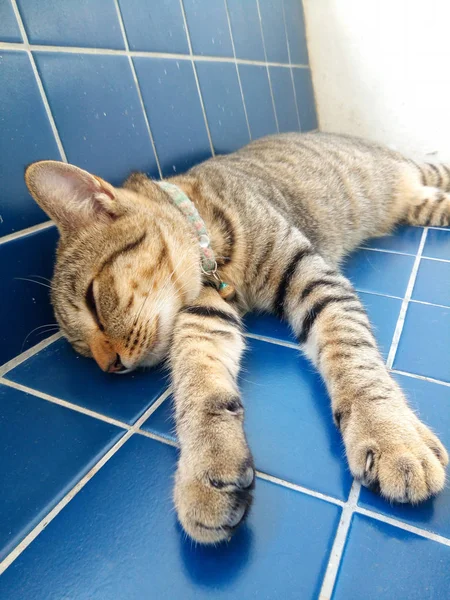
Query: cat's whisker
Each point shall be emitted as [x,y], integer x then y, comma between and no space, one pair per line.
[33,281]
[42,277]
[44,331]
[51,326]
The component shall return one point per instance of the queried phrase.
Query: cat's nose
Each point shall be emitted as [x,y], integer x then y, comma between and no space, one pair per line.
[116,365]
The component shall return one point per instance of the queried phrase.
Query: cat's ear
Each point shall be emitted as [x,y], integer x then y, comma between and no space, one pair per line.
[73,198]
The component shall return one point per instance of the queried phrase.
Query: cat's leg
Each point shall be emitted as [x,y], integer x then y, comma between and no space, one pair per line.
[215,473]
[387,446]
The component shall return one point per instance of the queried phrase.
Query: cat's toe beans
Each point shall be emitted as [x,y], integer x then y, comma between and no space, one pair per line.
[244,480]
[403,464]
[247,479]
[237,513]
[441,454]
[211,507]
[433,443]
[404,476]
[211,517]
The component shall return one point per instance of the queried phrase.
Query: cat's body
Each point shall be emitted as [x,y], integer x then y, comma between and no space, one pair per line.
[280,213]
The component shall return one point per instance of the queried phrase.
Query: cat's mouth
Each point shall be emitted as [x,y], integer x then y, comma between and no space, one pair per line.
[152,357]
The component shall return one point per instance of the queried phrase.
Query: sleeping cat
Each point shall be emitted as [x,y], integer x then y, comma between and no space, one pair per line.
[151,271]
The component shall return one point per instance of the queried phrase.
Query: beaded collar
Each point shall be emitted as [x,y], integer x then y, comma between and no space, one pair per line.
[207,258]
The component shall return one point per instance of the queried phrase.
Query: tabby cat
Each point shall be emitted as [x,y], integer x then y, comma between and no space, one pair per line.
[130,289]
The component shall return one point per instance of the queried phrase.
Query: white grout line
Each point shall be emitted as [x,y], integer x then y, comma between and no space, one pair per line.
[64,403]
[421,377]
[25,232]
[237,69]
[87,411]
[446,260]
[428,303]
[299,488]
[80,485]
[407,298]
[267,66]
[359,290]
[385,251]
[275,341]
[339,543]
[108,51]
[197,82]
[439,228]
[158,438]
[136,83]
[289,59]
[27,47]
[17,360]
[429,535]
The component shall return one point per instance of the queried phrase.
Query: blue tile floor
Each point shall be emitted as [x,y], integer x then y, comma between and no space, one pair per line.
[88,462]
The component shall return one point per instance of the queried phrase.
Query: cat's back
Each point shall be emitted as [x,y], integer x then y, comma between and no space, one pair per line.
[333,187]
[314,151]
[316,162]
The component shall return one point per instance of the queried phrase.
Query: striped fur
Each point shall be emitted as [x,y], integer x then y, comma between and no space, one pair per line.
[281,213]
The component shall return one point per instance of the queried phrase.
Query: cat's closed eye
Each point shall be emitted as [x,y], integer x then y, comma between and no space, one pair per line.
[92,306]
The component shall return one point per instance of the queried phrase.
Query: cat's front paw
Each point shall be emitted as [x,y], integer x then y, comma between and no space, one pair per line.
[395,454]
[213,496]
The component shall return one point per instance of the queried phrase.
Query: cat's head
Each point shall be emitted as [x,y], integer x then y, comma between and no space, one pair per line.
[127,262]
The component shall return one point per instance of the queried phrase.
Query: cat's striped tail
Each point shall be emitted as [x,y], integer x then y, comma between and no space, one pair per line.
[435,175]
[431,200]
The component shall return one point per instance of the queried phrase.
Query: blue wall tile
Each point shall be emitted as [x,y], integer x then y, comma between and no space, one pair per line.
[45,450]
[223,105]
[433,282]
[25,305]
[9,30]
[98,114]
[26,136]
[269,326]
[283,93]
[274,31]
[258,100]
[379,272]
[154,26]
[118,538]
[59,371]
[208,27]
[90,23]
[305,99]
[382,562]
[425,340]
[295,27]
[404,239]
[383,314]
[246,29]
[162,421]
[431,403]
[437,244]
[173,107]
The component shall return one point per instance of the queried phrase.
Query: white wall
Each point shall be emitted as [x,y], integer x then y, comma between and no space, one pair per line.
[381,70]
